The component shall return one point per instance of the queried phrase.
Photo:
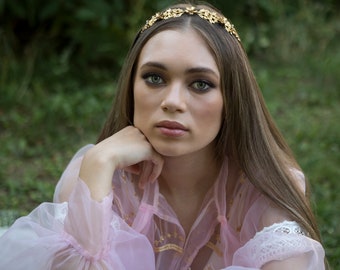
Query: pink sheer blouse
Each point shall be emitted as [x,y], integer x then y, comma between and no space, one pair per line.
[137,229]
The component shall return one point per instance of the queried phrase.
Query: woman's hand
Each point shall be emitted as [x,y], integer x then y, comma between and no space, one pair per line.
[127,149]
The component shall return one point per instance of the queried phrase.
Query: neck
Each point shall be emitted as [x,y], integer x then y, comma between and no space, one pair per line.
[184,183]
[188,175]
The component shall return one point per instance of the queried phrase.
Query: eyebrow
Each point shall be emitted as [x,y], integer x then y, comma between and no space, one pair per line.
[190,70]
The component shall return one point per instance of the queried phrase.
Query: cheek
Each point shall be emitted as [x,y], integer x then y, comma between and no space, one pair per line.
[141,106]
[212,114]
[137,105]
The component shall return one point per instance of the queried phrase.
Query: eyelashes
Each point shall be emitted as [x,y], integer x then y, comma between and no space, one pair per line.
[202,85]
[153,79]
[198,85]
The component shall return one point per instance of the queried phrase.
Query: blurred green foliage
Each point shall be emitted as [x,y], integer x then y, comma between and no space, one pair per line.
[86,32]
[59,60]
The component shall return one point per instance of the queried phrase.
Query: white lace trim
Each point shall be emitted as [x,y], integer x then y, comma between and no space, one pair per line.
[276,242]
[287,227]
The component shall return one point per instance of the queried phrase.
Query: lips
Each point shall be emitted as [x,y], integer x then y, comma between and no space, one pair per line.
[171,125]
[171,128]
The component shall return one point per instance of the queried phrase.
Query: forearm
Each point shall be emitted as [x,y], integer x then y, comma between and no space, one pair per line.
[87,223]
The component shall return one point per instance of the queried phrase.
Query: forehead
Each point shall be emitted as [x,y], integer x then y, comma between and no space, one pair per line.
[183,46]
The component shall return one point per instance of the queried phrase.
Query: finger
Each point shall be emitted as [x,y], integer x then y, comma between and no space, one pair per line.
[151,169]
[134,169]
[157,167]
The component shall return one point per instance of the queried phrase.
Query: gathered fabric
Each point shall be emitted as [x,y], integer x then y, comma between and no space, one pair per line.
[137,229]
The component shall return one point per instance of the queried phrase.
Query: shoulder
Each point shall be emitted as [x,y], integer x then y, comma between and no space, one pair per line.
[272,213]
[299,179]
[251,211]
[269,239]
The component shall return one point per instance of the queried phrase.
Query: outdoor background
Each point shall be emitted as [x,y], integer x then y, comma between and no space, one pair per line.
[59,61]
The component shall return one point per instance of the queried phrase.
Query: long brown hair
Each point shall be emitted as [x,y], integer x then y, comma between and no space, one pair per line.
[248,133]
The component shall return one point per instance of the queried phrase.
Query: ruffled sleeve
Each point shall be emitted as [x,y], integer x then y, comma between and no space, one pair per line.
[283,242]
[78,234]
[268,239]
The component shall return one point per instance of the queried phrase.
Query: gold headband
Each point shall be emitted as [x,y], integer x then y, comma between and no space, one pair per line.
[205,14]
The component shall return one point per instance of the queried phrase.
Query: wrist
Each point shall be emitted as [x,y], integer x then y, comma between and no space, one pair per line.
[97,171]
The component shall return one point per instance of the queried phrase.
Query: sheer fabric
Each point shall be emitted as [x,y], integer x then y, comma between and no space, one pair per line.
[137,229]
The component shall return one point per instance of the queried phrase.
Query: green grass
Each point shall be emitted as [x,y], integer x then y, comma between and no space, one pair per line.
[48,111]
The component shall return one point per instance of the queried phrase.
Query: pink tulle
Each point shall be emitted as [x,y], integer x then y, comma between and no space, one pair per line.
[134,229]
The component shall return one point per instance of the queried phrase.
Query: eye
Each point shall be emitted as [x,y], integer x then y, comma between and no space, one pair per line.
[202,86]
[153,79]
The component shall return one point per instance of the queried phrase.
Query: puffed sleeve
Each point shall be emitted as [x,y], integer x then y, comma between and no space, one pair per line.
[281,246]
[269,240]
[79,234]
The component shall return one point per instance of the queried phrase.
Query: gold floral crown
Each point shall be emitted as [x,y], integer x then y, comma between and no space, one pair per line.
[210,16]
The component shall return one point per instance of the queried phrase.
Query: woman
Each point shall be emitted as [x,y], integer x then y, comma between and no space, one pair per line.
[189,172]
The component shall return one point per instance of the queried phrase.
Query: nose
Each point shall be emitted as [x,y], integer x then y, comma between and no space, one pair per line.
[174,98]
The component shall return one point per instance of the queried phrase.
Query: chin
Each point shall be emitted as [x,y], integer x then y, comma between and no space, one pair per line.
[170,150]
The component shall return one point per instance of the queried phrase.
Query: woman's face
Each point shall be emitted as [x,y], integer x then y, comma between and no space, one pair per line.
[177,97]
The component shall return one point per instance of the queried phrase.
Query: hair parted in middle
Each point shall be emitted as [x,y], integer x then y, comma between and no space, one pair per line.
[248,134]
